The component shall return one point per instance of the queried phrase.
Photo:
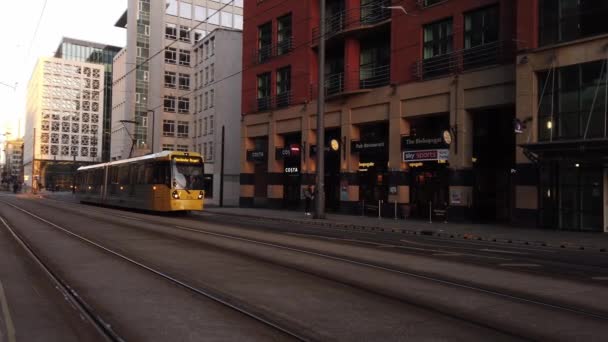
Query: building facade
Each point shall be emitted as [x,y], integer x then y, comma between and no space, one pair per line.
[13,161]
[160,43]
[216,107]
[429,109]
[90,52]
[64,121]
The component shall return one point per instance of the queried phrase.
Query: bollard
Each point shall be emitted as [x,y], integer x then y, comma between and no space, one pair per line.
[379,209]
[363,208]
[395,209]
[430,212]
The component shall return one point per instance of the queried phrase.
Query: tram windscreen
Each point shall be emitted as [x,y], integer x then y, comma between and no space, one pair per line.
[187,173]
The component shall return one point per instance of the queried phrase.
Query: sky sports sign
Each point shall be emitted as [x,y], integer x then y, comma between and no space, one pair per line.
[426,155]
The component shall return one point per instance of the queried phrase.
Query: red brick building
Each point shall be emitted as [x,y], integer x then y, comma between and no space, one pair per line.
[422,99]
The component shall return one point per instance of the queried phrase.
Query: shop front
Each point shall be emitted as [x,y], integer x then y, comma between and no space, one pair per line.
[290,154]
[427,157]
[333,147]
[259,157]
[373,175]
[572,184]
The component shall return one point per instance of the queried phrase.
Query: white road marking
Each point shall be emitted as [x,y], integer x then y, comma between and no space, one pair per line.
[501,251]
[520,265]
[10,328]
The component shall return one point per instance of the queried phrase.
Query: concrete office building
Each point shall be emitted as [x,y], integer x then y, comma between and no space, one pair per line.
[474,108]
[91,52]
[13,161]
[64,120]
[160,39]
[216,105]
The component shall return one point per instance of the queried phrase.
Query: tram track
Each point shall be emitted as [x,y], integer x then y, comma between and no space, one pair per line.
[85,310]
[463,286]
[105,328]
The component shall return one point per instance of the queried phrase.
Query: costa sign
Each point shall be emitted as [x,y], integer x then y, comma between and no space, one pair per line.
[426,155]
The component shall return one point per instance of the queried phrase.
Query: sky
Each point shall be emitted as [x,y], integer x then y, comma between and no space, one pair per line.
[22,45]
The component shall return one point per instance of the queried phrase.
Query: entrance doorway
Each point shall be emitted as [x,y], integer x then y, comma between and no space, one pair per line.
[493,164]
[428,189]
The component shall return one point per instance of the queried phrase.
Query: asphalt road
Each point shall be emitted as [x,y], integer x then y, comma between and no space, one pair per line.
[210,277]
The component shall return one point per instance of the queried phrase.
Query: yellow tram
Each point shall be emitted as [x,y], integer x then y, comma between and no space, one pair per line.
[165,181]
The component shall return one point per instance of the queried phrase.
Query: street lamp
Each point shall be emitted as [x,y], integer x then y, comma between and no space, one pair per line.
[123,122]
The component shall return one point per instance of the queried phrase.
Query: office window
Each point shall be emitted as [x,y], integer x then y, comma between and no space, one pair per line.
[171,55]
[184,81]
[184,57]
[182,148]
[238,3]
[211,97]
[206,104]
[198,35]
[195,104]
[283,86]
[195,129]
[206,75]
[212,71]
[201,79]
[170,31]
[214,17]
[263,95]
[168,128]
[184,34]
[210,153]
[172,7]
[183,105]
[226,18]
[238,21]
[200,128]
[200,13]
[200,102]
[264,41]
[182,129]
[284,34]
[170,79]
[168,147]
[566,20]
[205,151]
[206,49]
[211,124]
[481,27]
[212,46]
[169,104]
[195,80]
[185,10]
[206,127]
[438,38]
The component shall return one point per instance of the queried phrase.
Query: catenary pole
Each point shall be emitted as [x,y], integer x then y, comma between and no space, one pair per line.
[320,184]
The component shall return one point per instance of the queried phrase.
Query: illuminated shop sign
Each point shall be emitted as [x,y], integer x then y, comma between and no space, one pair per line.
[426,155]
[292,170]
[360,146]
[287,152]
[256,156]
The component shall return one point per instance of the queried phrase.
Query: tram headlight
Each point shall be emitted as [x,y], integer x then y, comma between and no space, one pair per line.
[201,195]
[175,194]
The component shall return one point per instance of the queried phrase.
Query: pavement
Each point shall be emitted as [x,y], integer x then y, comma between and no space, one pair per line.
[470,231]
[586,241]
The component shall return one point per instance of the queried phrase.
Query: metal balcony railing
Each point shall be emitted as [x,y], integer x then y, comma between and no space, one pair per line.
[495,53]
[263,54]
[353,19]
[282,100]
[367,77]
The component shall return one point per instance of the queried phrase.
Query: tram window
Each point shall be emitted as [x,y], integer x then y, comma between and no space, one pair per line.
[123,174]
[162,173]
[113,174]
[140,179]
[149,173]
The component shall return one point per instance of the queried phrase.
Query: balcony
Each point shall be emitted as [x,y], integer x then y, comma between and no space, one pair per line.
[265,53]
[496,53]
[366,17]
[282,100]
[360,81]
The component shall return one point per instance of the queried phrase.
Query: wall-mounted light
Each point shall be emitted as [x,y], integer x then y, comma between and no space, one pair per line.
[549,124]
[577,165]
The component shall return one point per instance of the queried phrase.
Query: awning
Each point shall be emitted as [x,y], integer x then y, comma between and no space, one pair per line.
[580,149]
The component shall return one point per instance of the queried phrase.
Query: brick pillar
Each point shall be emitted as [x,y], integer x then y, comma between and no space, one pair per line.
[352,52]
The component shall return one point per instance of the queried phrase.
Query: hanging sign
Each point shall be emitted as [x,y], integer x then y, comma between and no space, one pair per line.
[287,152]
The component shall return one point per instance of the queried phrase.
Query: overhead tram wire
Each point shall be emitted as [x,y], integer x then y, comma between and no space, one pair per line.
[305,44]
[29,49]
